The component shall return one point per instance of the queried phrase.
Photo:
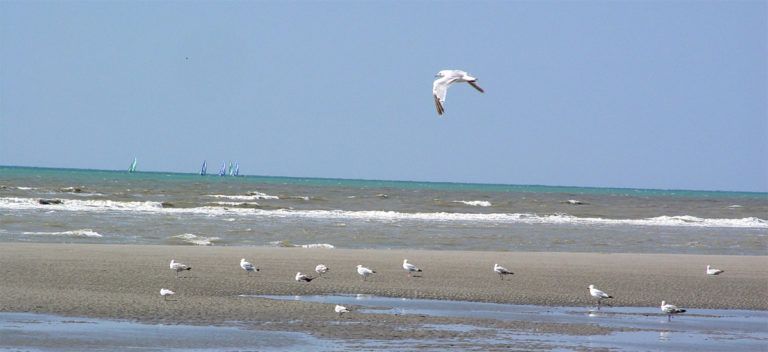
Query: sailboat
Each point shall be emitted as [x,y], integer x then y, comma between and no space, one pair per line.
[204,169]
[133,166]
[223,170]
[236,172]
[230,169]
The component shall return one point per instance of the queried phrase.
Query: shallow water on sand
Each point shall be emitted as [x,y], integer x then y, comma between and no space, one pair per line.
[699,329]
[639,328]
[39,332]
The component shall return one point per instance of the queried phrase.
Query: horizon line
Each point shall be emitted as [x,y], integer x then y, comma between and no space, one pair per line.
[400,181]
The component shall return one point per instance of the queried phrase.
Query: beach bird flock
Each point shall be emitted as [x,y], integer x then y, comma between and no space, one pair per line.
[364,272]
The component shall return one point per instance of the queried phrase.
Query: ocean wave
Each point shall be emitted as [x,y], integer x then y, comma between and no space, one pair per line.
[286,243]
[248,196]
[375,215]
[189,238]
[81,233]
[474,203]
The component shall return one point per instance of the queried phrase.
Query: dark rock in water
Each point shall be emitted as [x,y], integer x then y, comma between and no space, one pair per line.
[49,201]
[167,205]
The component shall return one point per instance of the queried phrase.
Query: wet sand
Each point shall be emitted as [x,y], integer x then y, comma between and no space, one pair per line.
[123,282]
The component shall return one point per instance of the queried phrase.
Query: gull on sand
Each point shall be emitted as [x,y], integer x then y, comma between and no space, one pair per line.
[340,309]
[321,269]
[301,277]
[365,272]
[501,271]
[670,309]
[597,294]
[713,271]
[444,80]
[410,268]
[248,267]
[176,266]
[166,292]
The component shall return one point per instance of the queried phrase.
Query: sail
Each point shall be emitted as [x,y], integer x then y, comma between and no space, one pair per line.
[230,169]
[204,169]
[223,170]
[133,166]
[236,172]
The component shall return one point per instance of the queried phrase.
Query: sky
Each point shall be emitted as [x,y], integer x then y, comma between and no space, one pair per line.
[645,94]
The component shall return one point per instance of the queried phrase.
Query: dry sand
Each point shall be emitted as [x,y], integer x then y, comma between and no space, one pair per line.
[123,282]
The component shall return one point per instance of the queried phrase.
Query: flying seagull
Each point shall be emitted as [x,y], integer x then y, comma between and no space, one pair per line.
[176,266]
[670,309]
[501,271]
[365,272]
[597,294]
[713,271]
[248,267]
[444,80]
[410,268]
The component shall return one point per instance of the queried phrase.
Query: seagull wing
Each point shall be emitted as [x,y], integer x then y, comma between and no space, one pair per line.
[473,84]
[439,91]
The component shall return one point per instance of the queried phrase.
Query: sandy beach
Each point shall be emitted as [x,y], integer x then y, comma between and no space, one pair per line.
[123,282]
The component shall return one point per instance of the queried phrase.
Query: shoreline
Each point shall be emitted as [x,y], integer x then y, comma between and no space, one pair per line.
[123,281]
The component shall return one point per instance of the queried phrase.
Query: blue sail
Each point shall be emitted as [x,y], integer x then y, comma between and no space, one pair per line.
[204,169]
[223,170]
[237,169]
[132,168]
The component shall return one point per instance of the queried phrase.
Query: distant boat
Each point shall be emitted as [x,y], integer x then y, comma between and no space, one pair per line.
[236,172]
[223,170]
[231,171]
[133,166]
[204,169]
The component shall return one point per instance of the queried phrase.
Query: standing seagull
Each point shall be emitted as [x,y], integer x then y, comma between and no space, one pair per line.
[669,309]
[599,295]
[321,269]
[713,271]
[501,271]
[248,267]
[410,268]
[340,309]
[301,277]
[166,292]
[364,271]
[444,80]
[179,267]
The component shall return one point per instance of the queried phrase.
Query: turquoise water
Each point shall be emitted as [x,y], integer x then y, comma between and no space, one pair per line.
[87,175]
[98,206]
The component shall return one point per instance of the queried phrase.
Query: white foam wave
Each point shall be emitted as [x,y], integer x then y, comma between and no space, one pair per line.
[196,239]
[474,203]
[82,233]
[375,215]
[318,245]
[286,243]
[247,197]
[79,205]
[239,204]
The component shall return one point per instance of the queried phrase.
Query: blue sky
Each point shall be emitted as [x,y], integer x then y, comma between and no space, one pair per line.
[656,94]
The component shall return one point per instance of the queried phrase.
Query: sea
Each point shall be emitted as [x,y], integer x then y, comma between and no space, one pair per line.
[187,209]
